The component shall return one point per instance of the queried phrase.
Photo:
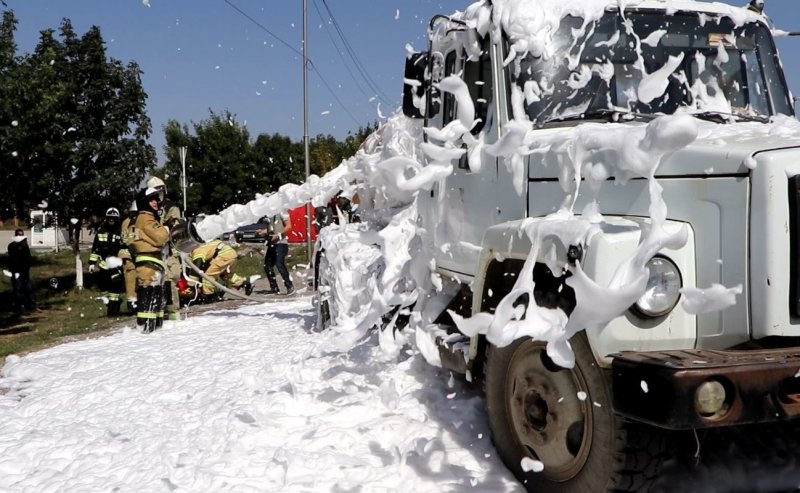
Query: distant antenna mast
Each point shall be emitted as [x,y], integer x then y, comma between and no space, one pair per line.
[305,122]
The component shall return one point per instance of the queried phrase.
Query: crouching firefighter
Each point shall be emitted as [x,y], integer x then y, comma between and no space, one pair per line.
[150,242]
[104,261]
[218,259]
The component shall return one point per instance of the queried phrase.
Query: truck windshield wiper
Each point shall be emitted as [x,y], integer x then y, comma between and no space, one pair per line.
[722,117]
[611,115]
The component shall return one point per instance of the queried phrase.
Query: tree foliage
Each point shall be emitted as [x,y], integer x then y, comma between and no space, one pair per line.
[224,167]
[73,127]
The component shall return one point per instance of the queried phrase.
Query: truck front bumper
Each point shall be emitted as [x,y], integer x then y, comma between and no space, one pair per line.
[663,388]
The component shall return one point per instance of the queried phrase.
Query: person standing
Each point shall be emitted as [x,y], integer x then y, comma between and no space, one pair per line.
[277,249]
[126,254]
[149,244]
[170,214]
[105,263]
[20,259]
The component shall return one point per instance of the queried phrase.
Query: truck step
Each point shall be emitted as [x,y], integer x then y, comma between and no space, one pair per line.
[454,352]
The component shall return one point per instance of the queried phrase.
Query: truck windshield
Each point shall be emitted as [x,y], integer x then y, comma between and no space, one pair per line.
[651,63]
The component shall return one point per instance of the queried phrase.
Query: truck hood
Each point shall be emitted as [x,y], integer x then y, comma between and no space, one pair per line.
[731,148]
[720,149]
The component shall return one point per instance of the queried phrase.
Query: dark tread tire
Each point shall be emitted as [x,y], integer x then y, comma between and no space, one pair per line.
[617,456]
[322,299]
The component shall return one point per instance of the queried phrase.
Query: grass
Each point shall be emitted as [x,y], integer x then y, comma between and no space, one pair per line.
[9,226]
[67,311]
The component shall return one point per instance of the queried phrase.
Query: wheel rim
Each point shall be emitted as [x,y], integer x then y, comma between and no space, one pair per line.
[550,422]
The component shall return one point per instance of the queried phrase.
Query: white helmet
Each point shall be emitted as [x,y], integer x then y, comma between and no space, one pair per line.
[156,182]
[112,212]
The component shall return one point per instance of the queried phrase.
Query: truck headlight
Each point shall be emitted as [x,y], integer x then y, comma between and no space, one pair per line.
[663,288]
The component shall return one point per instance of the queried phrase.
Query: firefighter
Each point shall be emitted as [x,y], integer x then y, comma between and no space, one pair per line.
[127,255]
[170,215]
[105,263]
[218,259]
[150,242]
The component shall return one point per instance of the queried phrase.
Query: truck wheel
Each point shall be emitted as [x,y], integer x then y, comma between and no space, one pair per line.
[323,288]
[563,419]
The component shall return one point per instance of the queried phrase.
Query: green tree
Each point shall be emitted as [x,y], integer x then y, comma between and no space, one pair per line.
[353,141]
[325,154]
[80,139]
[278,161]
[9,66]
[224,168]
[218,163]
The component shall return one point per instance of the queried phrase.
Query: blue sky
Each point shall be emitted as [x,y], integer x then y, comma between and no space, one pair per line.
[203,54]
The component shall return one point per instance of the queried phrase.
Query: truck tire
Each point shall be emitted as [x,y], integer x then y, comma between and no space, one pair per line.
[563,419]
[323,291]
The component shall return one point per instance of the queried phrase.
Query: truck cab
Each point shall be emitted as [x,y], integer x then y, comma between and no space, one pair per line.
[588,144]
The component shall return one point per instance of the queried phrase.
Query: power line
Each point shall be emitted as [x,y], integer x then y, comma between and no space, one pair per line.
[359,66]
[264,28]
[325,83]
[339,51]
[295,50]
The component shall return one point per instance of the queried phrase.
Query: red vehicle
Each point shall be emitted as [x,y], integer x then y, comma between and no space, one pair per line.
[297,216]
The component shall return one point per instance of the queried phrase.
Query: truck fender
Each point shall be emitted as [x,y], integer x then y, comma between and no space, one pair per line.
[600,252]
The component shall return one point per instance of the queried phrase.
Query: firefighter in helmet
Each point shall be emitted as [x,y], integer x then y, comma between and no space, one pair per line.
[105,263]
[150,242]
[217,260]
[127,255]
[170,215]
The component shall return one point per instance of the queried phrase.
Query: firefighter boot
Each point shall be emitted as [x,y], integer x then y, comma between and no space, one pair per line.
[248,287]
[171,307]
[131,306]
[160,302]
[112,309]
[146,311]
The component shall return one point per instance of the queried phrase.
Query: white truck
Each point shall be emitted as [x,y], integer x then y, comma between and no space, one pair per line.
[592,207]
[599,141]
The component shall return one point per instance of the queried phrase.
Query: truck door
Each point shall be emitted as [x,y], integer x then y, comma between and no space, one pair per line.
[471,200]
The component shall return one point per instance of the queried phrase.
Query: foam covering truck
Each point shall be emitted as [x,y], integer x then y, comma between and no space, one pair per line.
[666,130]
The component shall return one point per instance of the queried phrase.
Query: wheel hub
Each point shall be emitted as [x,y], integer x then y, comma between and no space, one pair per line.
[536,410]
[549,420]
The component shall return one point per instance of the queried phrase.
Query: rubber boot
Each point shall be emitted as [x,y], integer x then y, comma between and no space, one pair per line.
[145,316]
[248,287]
[132,306]
[112,309]
[160,302]
[169,308]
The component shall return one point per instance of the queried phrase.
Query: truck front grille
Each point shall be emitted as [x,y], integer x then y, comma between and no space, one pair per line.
[794,248]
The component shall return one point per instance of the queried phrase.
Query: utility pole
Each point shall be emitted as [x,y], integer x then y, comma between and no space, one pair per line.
[182,155]
[305,122]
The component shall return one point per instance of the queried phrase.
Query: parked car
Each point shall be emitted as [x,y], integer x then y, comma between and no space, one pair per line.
[247,233]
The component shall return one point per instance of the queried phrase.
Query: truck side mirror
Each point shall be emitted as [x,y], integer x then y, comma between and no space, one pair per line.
[415,85]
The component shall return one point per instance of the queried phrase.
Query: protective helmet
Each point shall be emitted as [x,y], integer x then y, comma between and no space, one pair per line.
[133,207]
[151,193]
[156,182]
[112,212]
